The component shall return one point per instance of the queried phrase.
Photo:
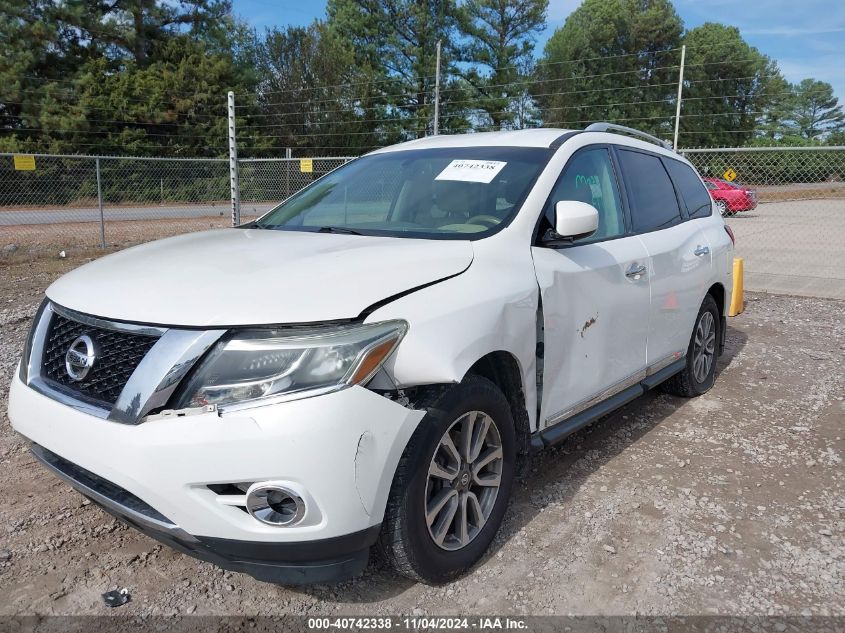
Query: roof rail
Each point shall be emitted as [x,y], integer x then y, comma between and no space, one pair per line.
[612,127]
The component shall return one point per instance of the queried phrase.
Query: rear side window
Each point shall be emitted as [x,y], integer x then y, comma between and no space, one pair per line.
[694,194]
[653,201]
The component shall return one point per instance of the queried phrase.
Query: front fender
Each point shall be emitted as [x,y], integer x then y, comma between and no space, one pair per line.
[490,307]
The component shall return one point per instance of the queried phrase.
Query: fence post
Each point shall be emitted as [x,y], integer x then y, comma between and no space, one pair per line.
[289,156]
[234,187]
[436,126]
[100,204]
[680,92]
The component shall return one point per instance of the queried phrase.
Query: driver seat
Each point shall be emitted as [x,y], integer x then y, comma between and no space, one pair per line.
[455,202]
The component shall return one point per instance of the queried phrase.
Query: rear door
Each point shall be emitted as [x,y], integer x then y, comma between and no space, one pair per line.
[700,210]
[595,310]
[679,254]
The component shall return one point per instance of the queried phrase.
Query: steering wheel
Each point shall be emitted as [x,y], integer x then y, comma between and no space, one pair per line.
[492,220]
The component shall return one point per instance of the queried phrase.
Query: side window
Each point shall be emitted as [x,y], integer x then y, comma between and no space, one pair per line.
[589,177]
[695,196]
[653,201]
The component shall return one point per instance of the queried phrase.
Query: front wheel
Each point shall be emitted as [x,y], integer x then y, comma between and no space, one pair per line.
[723,208]
[700,370]
[452,485]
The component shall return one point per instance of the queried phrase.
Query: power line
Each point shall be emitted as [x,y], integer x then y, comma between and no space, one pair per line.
[221,121]
[668,99]
[524,84]
[264,115]
[425,78]
[98,132]
[133,146]
[66,106]
[168,101]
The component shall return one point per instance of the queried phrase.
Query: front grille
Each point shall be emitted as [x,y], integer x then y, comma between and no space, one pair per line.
[118,354]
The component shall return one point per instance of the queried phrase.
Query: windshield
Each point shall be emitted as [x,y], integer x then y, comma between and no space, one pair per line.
[443,193]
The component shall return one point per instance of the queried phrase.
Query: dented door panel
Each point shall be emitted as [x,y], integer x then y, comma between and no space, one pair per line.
[595,320]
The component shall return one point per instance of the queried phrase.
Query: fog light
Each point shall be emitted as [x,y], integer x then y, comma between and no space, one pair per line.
[274,505]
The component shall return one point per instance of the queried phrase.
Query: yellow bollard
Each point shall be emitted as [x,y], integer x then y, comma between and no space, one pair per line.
[738,296]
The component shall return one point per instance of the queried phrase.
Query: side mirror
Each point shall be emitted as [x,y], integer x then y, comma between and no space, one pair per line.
[573,220]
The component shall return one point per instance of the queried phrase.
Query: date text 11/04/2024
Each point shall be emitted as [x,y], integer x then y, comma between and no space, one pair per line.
[415,623]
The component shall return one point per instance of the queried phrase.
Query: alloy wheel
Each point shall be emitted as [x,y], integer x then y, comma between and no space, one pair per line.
[704,347]
[463,482]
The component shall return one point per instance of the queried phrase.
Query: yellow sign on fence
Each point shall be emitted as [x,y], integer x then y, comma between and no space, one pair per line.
[306,165]
[24,162]
[729,175]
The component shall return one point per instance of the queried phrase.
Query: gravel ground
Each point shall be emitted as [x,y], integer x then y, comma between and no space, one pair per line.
[38,241]
[729,504]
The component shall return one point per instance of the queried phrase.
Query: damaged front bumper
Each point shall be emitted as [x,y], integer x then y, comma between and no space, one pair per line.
[171,478]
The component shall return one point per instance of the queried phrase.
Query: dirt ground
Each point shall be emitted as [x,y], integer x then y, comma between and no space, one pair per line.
[729,504]
[27,242]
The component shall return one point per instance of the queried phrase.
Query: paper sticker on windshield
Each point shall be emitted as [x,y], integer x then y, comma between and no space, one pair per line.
[471,170]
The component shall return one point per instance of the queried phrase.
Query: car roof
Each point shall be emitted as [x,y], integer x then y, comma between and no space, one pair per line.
[549,138]
[534,137]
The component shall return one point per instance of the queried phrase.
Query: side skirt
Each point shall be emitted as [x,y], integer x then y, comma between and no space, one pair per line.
[558,432]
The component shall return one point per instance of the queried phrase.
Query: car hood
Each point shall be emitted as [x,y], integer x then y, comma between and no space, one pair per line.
[235,277]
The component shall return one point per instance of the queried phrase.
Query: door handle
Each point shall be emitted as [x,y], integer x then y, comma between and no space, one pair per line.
[701,250]
[635,270]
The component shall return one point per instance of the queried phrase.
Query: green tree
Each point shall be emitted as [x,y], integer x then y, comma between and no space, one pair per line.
[836,138]
[172,106]
[314,94]
[142,76]
[728,85]
[771,124]
[500,44]
[397,39]
[613,60]
[36,56]
[138,27]
[815,111]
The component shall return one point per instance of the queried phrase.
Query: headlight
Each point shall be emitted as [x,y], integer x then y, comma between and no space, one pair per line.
[254,364]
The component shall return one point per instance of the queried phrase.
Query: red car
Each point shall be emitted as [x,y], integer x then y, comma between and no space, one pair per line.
[731,197]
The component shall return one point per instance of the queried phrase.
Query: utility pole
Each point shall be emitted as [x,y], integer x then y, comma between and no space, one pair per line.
[234,187]
[680,92]
[437,92]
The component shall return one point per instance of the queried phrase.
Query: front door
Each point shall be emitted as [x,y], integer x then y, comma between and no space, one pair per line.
[595,305]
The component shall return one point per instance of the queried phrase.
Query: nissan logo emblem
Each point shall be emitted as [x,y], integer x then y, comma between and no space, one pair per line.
[80,358]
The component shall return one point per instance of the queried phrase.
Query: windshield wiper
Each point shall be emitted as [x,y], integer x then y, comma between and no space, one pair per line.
[337,229]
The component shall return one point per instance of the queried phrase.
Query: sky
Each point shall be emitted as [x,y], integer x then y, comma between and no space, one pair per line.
[806,37]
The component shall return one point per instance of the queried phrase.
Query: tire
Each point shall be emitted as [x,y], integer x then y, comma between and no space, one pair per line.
[407,540]
[697,378]
[723,208]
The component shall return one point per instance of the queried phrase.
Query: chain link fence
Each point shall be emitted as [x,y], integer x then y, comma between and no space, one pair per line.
[785,205]
[50,203]
[264,182]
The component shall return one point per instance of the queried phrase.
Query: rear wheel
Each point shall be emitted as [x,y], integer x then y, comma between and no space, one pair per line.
[700,370]
[452,485]
[723,208]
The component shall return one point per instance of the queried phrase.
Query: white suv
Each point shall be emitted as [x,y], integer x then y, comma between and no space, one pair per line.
[372,362]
